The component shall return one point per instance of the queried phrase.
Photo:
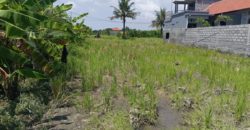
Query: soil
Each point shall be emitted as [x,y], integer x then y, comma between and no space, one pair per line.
[69,117]
[63,116]
[62,119]
[169,119]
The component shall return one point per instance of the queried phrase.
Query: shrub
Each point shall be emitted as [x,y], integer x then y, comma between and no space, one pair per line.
[202,22]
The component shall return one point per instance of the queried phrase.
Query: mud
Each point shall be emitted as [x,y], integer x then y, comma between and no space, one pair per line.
[169,119]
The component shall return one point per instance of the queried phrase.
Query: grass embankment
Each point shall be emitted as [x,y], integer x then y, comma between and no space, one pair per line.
[121,79]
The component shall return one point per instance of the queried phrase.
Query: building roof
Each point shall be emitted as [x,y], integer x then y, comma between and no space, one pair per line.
[183,1]
[116,29]
[225,6]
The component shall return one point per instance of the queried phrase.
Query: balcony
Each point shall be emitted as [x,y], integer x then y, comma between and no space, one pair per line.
[184,5]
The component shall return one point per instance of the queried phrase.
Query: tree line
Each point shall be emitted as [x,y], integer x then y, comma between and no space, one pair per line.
[130,33]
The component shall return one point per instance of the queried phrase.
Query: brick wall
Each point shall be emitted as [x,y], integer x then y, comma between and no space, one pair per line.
[234,39]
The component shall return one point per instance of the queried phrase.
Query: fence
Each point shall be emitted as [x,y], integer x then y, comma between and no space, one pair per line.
[235,38]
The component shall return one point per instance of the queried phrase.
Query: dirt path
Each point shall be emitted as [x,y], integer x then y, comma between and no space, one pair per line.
[65,117]
[69,117]
[168,119]
[62,119]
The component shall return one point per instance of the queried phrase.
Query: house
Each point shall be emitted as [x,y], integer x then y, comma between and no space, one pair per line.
[230,21]
[187,11]
[237,10]
[115,31]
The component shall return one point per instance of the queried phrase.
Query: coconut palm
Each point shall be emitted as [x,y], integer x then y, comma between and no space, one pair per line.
[159,20]
[125,10]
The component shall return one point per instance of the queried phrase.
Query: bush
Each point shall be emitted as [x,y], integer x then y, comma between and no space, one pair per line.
[223,18]
[131,33]
[201,22]
[146,33]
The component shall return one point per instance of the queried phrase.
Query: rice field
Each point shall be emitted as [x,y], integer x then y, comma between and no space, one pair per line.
[122,81]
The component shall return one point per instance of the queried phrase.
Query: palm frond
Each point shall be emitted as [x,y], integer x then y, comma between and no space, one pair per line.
[124,10]
[160,17]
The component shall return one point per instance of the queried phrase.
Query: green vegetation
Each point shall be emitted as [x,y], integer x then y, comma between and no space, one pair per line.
[33,57]
[201,22]
[209,89]
[131,33]
[107,82]
[223,18]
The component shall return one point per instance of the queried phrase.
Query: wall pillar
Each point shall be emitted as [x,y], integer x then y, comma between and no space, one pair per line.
[176,8]
[248,39]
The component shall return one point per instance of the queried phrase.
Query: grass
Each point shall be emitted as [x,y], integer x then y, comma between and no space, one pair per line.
[210,89]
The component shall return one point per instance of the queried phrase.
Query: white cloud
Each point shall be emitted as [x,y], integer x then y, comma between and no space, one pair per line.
[101,9]
[147,8]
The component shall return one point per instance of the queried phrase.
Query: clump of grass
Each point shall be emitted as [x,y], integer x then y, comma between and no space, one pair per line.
[87,102]
[241,105]
[57,87]
[208,117]
[108,94]
[143,105]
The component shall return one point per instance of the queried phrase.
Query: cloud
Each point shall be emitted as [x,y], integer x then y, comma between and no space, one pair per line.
[147,8]
[101,9]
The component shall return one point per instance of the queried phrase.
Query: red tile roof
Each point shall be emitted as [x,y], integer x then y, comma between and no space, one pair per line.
[224,6]
[116,29]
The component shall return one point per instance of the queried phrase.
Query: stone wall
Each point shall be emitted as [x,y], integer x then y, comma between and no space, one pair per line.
[234,39]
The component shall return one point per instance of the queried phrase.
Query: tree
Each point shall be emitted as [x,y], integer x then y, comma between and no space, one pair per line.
[223,20]
[160,19]
[125,10]
[202,22]
[31,38]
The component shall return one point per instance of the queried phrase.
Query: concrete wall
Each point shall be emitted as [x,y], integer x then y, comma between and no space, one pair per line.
[181,20]
[234,38]
[178,22]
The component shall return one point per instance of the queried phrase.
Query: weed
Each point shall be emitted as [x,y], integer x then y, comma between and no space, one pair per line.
[208,117]
[57,87]
[240,105]
[88,102]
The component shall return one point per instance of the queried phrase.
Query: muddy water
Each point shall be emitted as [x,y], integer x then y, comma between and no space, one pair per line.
[168,119]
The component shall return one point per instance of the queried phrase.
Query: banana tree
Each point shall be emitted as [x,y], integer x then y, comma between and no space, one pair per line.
[30,42]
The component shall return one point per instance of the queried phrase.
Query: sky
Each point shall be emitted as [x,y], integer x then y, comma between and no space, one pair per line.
[100,12]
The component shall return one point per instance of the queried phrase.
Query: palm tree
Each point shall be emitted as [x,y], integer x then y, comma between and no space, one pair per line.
[159,20]
[125,10]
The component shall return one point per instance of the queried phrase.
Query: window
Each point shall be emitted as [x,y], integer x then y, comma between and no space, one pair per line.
[191,6]
[192,23]
[191,20]
[167,35]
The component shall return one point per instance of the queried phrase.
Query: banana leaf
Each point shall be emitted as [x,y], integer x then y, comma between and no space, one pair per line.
[29,73]
[42,3]
[10,55]
[17,23]
[3,1]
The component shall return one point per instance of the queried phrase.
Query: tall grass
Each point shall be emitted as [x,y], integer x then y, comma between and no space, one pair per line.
[198,76]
